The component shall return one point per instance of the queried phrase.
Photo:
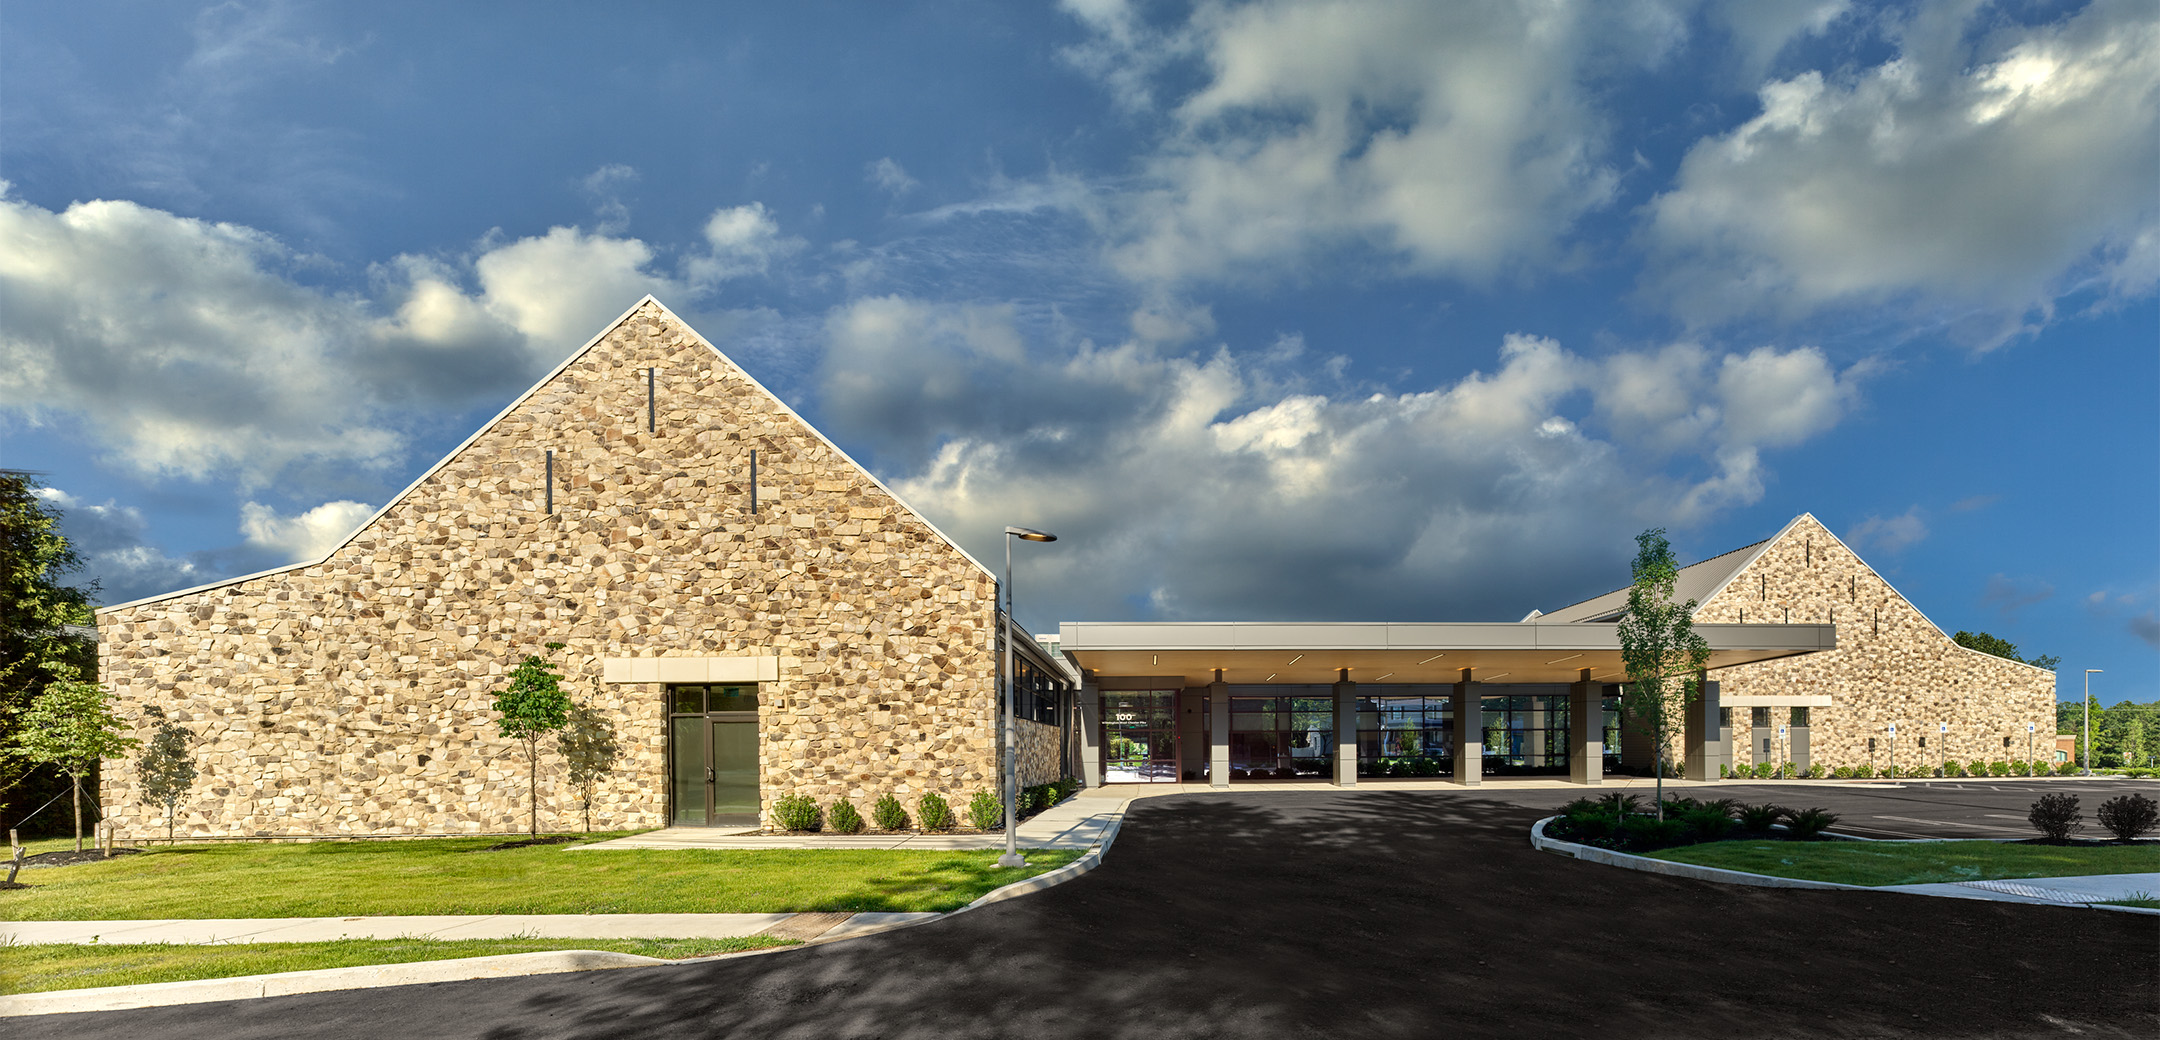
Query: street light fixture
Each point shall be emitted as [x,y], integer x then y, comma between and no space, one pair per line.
[1012,857]
[2088,718]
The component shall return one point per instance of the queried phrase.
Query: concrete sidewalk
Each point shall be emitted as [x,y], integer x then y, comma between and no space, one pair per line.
[2083,890]
[1078,822]
[489,926]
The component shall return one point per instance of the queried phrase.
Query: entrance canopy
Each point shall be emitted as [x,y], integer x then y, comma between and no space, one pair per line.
[1187,654]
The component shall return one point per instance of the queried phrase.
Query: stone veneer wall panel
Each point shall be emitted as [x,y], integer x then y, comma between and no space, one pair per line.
[352,696]
[1891,664]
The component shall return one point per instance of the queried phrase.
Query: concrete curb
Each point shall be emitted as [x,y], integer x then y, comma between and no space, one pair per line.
[321,980]
[1627,861]
[202,991]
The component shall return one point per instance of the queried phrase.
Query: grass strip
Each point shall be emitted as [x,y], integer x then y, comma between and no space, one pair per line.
[459,876]
[40,968]
[1917,863]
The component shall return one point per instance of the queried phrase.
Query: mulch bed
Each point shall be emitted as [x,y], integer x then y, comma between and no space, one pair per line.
[70,857]
[552,839]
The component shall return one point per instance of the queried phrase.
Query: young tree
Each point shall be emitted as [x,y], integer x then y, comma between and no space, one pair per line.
[72,726]
[533,706]
[42,621]
[587,743]
[1658,644]
[167,769]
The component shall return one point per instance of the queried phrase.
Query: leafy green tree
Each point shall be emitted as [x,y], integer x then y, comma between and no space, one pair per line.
[71,725]
[37,612]
[1663,654]
[2000,647]
[166,767]
[533,706]
[588,747]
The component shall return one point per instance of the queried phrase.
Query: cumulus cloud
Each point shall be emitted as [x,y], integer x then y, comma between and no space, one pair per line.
[1216,484]
[1978,174]
[1457,138]
[1890,534]
[306,536]
[191,347]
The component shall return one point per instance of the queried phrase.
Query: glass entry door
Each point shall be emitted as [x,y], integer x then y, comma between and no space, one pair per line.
[1140,736]
[712,755]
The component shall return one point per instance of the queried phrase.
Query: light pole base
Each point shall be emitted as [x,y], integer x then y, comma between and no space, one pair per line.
[1012,859]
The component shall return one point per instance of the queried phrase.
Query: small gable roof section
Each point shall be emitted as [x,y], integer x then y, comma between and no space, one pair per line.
[661,379]
[1696,581]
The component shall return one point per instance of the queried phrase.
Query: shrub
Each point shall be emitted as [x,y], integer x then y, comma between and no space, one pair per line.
[1952,769]
[1808,823]
[1863,771]
[1706,823]
[1621,804]
[1648,833]
[1724,772]
[1976,768]
[1998,768]
[2068,768]
[1844,772]
[1763,770]
[2129,816]
[797,812]
[985,812]
[1037,798]
[2056,816]
[888,813]
[843,818]
[1067,787]
[932,812]
[1814,771]
[1760,817]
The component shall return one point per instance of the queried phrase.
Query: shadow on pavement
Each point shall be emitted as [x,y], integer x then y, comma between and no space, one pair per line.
[1395,914]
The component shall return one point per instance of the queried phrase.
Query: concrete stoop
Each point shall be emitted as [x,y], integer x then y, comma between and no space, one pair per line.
[812,929]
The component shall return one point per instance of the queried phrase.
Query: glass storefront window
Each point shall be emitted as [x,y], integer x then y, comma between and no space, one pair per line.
[1140,736]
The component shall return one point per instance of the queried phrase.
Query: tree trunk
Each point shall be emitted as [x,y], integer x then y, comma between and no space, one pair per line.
[75,785]
[1657,761]
[532,783]
[168,825]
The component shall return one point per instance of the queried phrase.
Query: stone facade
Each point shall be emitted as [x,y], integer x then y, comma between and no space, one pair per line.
[352,696]
[1892,664]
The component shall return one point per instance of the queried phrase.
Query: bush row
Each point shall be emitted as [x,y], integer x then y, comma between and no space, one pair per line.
[1621,821]
[800,812]
[1790,771]
[2128,817]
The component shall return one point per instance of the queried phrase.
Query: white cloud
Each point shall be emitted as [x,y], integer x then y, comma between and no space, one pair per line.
[1890,534]
[890,177]
[1216,485]
[307,536]
[1977,175]
[190,347]
[1458,138]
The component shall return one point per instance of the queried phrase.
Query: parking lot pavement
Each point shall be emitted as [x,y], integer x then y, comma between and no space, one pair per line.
[1333,914]
[1943,808]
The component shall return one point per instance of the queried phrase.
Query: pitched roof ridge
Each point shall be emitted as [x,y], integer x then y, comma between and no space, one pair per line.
[1689,567]
[453,453]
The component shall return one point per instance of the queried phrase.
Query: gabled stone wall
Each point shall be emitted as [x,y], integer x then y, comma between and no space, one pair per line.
[1891,664]
[352,697]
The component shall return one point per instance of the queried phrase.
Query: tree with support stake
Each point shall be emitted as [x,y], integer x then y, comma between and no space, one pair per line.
[1663,654]
[532,707]
[72,727]
[588,747]
[166,767]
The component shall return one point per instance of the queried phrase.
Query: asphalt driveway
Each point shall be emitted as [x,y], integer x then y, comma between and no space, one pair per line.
[1328,914]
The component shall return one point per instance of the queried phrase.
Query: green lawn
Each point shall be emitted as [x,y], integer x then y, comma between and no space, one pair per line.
[1898,863]
[35,969]
[453,876]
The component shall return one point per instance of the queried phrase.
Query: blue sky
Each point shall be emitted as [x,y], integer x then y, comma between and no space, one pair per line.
[1348,310]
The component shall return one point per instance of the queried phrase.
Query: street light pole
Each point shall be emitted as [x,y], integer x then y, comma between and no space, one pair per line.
[1012,857]
[2088,718]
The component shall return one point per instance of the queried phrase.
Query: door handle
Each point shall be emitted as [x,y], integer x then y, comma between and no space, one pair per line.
[709,778]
